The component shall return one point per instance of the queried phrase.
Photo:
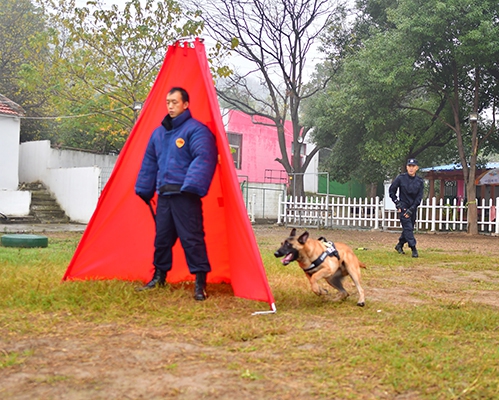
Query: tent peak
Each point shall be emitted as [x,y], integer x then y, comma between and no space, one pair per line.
[188,41]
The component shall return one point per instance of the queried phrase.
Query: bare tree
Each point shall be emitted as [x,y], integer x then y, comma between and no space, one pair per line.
[275,37]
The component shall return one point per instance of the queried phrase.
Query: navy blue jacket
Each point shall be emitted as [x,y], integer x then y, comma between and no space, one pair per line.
[410,191]
[181,152]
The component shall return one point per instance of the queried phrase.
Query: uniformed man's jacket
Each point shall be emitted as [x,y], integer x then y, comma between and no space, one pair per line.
[410,191]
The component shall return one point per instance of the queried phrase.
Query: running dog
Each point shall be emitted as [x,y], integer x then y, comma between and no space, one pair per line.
[322,259]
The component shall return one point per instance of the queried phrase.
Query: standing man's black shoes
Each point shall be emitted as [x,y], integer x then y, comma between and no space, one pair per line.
[200,286]
[414,252]
[399,248]
[158,279]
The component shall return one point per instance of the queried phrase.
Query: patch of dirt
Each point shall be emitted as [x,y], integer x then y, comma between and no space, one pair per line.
[109,362]
[131,364]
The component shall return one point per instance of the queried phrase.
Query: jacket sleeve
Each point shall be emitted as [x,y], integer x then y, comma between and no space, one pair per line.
[145,185]
[204,152]
[392,190]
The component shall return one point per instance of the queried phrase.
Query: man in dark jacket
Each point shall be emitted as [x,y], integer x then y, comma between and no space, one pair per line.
[410,193]
[179,164]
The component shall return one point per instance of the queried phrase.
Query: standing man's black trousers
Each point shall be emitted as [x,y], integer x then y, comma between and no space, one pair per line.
[408,224]
[180,216]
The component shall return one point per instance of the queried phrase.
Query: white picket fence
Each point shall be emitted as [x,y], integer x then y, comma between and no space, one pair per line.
[337,212]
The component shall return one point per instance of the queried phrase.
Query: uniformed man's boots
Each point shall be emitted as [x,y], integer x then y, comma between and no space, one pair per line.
[414,252]
[158,279]
[200,286]
[400,248]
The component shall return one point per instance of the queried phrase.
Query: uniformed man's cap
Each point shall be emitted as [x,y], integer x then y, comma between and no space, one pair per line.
[412,161]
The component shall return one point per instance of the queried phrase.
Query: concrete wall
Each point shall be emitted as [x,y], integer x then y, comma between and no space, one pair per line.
[71,176]
[9,152]
[76,190]
[37,157]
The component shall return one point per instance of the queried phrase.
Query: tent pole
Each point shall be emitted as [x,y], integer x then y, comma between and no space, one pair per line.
[273,311]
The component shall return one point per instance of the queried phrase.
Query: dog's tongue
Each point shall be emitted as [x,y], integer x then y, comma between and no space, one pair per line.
[286,260]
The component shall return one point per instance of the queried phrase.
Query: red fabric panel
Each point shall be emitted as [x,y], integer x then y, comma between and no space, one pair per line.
[118,242]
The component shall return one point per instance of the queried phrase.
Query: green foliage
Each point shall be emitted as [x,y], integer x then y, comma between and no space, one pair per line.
[217,55]
[405,85]
[101,61]
[23,27]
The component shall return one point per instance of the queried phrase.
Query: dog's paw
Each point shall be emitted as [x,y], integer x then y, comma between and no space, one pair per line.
[361,304]
[341,297]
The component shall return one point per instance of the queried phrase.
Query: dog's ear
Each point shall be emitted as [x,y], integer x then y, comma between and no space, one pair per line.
[303,238]
[293,232]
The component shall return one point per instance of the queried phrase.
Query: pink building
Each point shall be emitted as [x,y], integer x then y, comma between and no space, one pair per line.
[255,147]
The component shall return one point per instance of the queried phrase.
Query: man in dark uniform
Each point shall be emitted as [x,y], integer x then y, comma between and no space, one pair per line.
[179,164]
[410,193]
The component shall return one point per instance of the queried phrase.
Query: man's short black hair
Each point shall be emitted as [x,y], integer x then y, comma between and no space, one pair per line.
[183,93]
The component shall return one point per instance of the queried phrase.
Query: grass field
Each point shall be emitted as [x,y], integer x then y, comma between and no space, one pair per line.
[429,330]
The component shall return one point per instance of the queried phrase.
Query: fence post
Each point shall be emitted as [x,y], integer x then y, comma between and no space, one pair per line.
[497,219]
[492,209]
[376,209]
[253,208]
[433,214]
[279,206]
[326,212]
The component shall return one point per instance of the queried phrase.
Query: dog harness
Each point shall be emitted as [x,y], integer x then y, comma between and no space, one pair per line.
[330,252]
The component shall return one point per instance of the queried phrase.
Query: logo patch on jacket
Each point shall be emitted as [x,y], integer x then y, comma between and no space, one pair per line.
[180,142]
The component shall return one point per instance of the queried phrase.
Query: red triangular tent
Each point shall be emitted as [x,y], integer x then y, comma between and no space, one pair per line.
[118,241]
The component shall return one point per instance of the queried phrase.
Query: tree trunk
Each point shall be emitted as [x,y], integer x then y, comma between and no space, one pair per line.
[472,209]
[469,168]
[296,185]
[372,190]
[471,186]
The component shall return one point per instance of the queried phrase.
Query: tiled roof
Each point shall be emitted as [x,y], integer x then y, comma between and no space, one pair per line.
[452,167]
[8,107]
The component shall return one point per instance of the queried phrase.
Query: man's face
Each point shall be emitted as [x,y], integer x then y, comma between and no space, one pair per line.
[412,169]
[175,104]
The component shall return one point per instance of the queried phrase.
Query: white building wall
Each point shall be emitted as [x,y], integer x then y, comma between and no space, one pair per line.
[311,177]
[34,161]
[9,152]
[387,201]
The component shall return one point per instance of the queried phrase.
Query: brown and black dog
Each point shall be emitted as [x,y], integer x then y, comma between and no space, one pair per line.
[314,258]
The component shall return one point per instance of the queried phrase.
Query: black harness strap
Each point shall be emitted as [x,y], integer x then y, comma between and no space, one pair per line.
[330,252]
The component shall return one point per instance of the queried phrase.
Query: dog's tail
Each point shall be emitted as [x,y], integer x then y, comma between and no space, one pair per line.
[362,265]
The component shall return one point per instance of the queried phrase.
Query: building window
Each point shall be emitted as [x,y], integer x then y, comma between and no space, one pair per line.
[235,142]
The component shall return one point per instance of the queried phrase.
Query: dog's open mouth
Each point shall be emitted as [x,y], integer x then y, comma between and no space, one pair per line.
[287,251]
[288,258]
